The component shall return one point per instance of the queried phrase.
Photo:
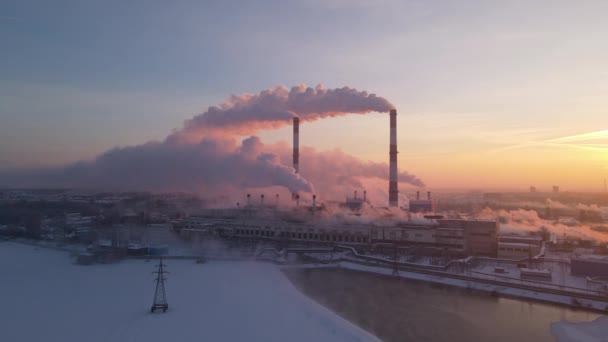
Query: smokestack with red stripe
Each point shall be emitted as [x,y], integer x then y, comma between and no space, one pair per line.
[296,144]
[393,187]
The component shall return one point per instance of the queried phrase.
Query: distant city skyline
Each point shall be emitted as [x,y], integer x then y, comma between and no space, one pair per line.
[490,95]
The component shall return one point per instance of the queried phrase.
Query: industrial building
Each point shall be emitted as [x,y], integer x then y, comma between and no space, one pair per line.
[518,247]
[515,251]
[311,225]
[464,237]
[480,236]
[589,265]
[422,205]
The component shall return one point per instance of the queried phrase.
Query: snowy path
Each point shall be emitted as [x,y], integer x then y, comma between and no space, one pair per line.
[46,297]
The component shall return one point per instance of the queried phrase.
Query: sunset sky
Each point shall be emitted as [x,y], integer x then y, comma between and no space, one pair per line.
[490,94]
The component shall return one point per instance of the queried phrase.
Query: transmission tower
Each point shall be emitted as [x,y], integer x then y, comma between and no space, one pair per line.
[160,297]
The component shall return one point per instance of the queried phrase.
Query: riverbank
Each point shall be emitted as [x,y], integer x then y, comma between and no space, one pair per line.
[397,309]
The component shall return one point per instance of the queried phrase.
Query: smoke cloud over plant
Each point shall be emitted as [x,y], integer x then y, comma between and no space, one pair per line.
[528,221]
[205,155]
[276,107]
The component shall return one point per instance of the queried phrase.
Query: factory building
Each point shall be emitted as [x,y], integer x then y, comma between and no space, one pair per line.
[589,265]
[515,251]
[466,237]
[480,236]
[518,247]
[422,205]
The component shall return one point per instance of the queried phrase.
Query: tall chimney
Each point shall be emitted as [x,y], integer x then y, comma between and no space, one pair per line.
[296,144]
[393,188]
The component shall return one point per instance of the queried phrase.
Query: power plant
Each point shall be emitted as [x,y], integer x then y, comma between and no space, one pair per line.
[354,222]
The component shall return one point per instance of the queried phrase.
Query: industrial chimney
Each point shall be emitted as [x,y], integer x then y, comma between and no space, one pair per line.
[417,195]
[296,144]
[428,195]
[364,195]
[393,188]
[261,200]
[248,199]
[314,201]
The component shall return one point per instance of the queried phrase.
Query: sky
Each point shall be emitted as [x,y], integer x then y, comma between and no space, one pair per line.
[490,95]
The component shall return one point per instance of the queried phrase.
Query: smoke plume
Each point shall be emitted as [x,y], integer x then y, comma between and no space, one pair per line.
[527,221]
[210,166]
[336,173]
[205,156]
[273,108]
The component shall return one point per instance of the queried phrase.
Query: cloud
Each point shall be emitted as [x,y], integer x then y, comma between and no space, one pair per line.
[591,141]
[594,141]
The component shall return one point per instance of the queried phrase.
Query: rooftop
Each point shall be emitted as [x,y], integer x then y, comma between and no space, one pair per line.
[592,257]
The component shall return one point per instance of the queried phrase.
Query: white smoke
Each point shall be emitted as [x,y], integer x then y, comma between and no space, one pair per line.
[276,107]
[204,155]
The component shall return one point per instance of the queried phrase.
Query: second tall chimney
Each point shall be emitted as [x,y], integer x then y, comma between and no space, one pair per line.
[393,187]
[296,144]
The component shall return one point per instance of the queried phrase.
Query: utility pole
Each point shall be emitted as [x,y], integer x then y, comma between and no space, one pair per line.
[160,297]
[395,260]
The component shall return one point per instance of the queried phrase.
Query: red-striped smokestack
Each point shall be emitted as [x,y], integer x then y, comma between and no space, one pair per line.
[296,144]
[393,187]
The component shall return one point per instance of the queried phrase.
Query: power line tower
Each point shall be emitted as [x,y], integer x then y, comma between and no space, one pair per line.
[160,297]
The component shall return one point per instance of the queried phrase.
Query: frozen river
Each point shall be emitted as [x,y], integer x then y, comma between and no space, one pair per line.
[405,310]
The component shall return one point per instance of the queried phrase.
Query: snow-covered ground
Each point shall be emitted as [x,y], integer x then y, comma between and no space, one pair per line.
[45,296]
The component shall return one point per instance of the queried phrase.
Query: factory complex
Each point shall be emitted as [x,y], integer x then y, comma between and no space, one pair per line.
[297,227]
